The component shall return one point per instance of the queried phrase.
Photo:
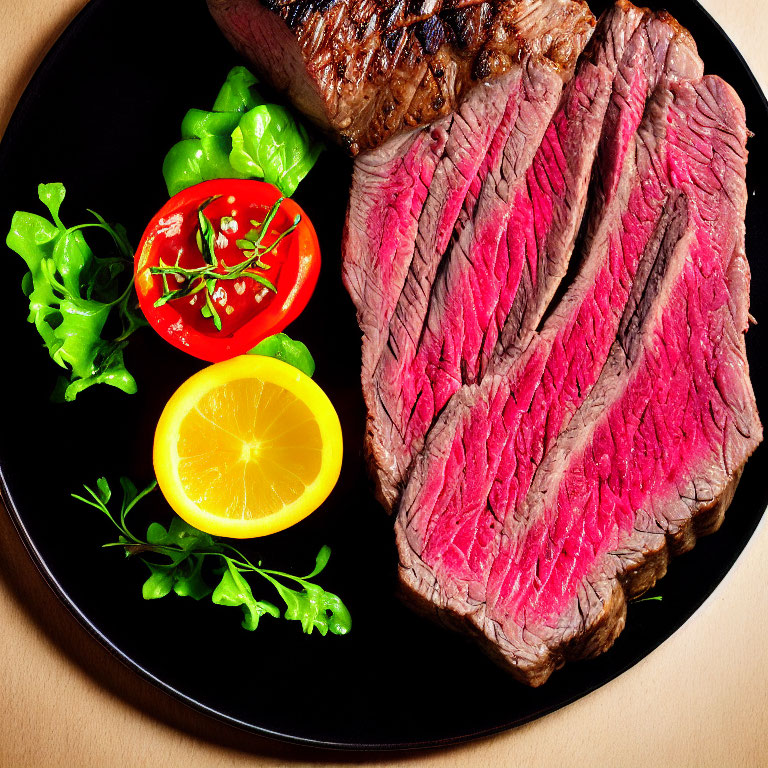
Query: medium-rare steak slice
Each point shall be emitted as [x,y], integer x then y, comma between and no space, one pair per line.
[388,193]
[521,225]
[661,437]
[367,70]
[405,200]
[397,232]
[533,98]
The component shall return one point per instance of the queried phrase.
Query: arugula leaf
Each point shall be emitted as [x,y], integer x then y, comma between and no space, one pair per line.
[323,556]
[234,590]
[186,551]
[182,535]
[191,582]
[184,578]
[105,493]
[207,235]
[282,347]
[72,294]
[269,143]
[266,282]
[109,368]
[315,609]
[160,583]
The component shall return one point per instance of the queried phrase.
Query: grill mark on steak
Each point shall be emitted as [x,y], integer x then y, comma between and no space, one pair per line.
[370,69]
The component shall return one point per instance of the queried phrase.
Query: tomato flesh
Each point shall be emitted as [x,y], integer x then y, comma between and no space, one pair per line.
[248,310]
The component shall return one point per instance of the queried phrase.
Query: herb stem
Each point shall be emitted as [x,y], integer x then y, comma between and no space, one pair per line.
[213,270]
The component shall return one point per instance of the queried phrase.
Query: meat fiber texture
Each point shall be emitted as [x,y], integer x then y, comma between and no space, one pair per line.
[554,300]
[367,70]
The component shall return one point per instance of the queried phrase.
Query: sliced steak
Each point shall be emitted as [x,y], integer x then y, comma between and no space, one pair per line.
[367,70]
[387,197]
[652,458]
[520,228]
[532,99]
[472,481]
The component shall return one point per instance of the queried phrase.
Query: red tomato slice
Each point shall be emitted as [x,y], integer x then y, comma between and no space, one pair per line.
[248,311]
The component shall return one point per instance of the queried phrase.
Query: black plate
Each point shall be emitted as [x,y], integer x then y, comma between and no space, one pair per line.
[99,115]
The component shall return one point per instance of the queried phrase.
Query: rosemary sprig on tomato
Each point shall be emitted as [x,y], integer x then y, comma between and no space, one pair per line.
[206,277]
[244,261]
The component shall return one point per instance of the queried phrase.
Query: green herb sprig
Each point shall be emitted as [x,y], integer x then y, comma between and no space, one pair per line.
[185,554]
[204,278]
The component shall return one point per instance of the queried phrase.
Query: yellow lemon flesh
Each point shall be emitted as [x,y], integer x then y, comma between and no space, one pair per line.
[247,447]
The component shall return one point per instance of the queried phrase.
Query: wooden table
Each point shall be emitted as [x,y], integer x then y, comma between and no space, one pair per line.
[699,700]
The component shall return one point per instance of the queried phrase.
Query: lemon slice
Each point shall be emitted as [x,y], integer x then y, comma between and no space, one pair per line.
[247,447]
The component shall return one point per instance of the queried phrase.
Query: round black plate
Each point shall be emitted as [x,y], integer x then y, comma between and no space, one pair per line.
[99,115]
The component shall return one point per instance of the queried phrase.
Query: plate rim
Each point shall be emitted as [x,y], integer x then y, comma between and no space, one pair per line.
[10,134]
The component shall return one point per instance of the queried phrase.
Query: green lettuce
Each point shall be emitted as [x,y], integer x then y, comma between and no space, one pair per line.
[241,138]
[72,293]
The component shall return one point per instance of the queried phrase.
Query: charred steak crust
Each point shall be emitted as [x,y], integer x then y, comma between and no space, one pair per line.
[367,70]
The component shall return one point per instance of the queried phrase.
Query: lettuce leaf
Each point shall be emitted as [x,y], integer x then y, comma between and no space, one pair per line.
[241,138]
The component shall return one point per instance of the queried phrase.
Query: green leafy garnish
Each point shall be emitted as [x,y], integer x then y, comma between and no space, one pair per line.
[283,347]
[73,293]
[241,138]
[205,278]
[187,557]
[269,144]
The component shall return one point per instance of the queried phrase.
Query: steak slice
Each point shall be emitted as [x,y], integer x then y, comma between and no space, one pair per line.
[367,70]
[540,574]
[388,194]
[532,99]
[521,227]
[405,201]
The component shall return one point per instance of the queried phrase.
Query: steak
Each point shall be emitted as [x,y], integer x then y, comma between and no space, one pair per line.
[510,249]
[365,71]
[529,396]
[555,490]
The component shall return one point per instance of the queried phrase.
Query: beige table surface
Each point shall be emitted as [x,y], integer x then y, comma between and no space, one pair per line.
[699,700]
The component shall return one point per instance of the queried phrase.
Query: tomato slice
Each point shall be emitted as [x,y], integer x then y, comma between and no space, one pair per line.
[247,309]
